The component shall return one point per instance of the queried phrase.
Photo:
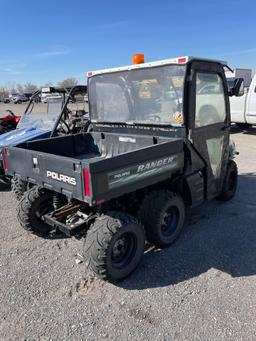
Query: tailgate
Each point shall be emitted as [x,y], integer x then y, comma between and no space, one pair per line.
[54,172]
[128,172]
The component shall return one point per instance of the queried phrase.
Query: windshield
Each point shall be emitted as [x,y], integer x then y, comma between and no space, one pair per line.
[150,95]
[42,115]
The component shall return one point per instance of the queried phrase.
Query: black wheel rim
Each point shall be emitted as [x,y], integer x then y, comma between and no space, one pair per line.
[123,250]
[170,221]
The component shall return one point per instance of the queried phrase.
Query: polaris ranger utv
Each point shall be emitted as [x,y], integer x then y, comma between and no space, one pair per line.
[39,120]
[158,141]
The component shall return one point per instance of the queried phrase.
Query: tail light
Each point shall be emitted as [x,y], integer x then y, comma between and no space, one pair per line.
[87,187]
[5,159]
[182,60]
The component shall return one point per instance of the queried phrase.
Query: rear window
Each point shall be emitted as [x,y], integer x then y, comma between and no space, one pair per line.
[150,95]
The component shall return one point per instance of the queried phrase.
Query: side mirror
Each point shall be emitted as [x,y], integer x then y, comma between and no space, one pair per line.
[237,88]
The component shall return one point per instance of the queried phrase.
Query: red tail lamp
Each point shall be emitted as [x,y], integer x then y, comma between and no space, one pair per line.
[87,187]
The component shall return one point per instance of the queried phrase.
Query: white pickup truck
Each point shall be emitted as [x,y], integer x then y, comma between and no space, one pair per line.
[243,108]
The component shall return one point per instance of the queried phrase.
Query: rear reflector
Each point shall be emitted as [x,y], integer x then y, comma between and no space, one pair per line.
[5,160]
[182,60]
[87,188]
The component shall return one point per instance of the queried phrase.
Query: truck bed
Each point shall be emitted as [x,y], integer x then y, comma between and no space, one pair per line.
[94,167]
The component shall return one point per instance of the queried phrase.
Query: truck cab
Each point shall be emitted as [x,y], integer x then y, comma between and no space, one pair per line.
[243,107]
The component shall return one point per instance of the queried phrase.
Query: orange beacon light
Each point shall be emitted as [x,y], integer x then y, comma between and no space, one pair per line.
[138,58]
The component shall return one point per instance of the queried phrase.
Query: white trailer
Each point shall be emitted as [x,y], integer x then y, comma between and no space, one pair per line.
[243,108]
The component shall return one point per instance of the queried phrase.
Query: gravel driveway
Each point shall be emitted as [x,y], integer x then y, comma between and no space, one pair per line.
[202,288]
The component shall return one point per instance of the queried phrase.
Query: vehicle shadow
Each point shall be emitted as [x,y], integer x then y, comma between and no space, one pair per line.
[249,131]
[217,235]
[4,187]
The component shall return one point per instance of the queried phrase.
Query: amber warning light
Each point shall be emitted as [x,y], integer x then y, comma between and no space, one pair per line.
[138,58]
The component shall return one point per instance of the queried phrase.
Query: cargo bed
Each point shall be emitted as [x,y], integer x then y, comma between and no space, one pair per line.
[94,167]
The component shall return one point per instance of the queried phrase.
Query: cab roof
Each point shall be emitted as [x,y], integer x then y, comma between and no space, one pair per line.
[178,61]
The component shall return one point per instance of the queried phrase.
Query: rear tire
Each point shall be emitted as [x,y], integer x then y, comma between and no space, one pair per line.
[114,246]
[19,187]
[5,183]
[163,214]
[243,126]
[34,204]
[230,182]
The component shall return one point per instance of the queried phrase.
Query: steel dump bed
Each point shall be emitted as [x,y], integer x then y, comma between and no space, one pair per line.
[94,167]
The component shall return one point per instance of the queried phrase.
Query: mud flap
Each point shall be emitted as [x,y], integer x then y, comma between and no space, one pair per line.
[196,187]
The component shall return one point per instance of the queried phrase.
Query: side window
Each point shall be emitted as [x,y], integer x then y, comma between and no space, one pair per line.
[210,99]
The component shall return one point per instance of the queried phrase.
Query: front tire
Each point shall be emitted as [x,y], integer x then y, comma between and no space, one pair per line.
[114,246]
[230,182]
[34,204]
[163,214]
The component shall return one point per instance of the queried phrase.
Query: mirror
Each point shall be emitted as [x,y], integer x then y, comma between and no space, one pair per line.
[238,88]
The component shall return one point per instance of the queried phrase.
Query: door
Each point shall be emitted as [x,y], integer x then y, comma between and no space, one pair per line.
[210,121]
[237,108]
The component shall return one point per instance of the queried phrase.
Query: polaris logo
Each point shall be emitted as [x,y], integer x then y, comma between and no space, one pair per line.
[61,177]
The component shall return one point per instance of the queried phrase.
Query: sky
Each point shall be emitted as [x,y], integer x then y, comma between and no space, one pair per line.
[47,40]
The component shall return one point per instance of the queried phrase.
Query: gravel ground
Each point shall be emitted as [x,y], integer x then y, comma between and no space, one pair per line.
[202,288]
[19,109]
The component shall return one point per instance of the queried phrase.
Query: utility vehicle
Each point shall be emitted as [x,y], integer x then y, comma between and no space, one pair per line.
[156,144]
[38,122]
[8,122]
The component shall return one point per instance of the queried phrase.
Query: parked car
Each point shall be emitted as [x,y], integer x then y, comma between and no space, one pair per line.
[18,99]
[4,99]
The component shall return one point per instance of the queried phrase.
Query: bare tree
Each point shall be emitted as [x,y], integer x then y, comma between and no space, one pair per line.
[29,87]
[11,86]
[47,84]
[19,88]
[67,83]
[4,92]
